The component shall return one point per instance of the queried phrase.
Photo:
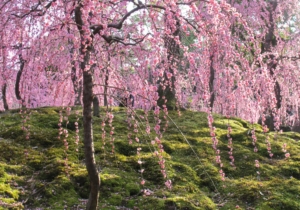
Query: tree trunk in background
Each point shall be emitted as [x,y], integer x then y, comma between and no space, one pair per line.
[173,57]
[211,82]
[96,106]
[77,85]
[105,87]
[18,79]
[79,92]
[87,114]
[5,104]
[267,45]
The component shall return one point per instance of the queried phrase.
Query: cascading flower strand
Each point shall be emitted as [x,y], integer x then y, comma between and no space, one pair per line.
[254,140]
[215,144]
[65,140]
[110,117]
[284,149]
[257,166]
[25,115]
[230,145]
[103,136]
[265,131]
[76,131]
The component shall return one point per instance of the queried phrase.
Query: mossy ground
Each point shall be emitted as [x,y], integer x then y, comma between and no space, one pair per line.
[34,173]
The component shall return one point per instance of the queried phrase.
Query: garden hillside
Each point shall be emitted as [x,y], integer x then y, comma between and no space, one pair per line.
[42,163]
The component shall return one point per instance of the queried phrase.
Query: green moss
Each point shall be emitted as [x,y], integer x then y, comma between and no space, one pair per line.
[188,203]
[110,180]
[36,170]
[133,188]
[115,199]
[79,177]
[152,203]
[8,184]
[131,203]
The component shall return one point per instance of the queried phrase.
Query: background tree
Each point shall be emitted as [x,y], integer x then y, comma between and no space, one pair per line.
[276,33]
[4,80]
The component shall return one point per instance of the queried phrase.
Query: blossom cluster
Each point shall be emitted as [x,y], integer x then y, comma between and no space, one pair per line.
[284,149]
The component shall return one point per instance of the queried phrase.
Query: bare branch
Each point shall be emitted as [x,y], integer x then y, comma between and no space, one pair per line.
[292,58]
[112,39]
[35,9]
[4,4]
[97,28]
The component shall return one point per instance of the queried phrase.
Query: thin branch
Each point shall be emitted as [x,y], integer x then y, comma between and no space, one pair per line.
[122,89]
[4,4]
[35,9]
[119,40]
[293,58]
[97,28]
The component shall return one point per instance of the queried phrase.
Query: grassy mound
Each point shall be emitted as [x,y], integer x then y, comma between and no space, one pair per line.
[39,172]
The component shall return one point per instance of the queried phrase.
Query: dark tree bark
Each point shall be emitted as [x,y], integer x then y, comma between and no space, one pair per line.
[79,93]
[269,42]
[87,115]
[105,87]
[88,140]
[173,57]
[96,106]
[106,73]
[278,96]
[18,79]
[77,85]
[5,104]
[211,82]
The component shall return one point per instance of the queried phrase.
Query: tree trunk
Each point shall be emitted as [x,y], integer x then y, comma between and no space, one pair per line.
[269,42]
[173,57]
[278,96]
[5,104]
[105,87]
[211,82]
[18,80]
[79,93]
[88,141]
[77,85]
[96,106]
[85,50]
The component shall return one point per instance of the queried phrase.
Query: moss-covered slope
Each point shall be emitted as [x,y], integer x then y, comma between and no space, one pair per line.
[39,172]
